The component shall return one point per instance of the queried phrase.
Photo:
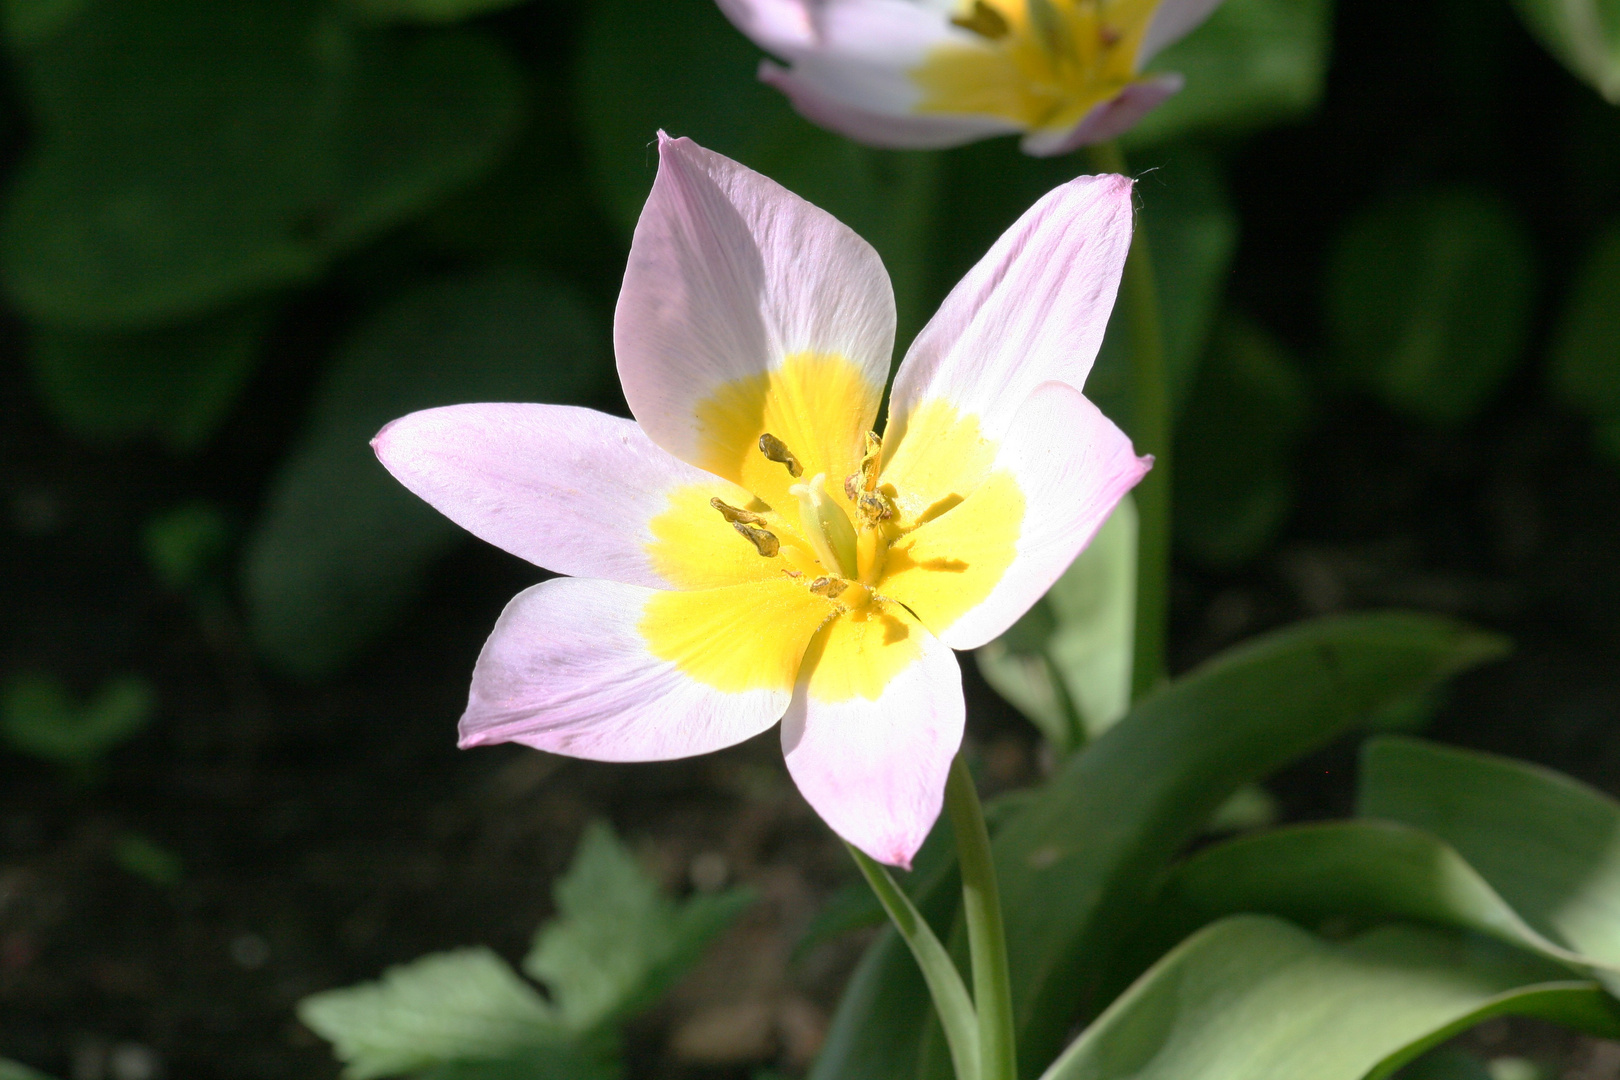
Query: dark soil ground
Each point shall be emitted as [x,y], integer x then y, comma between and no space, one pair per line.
[325,833]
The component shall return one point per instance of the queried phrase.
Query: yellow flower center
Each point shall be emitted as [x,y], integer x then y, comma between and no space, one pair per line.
[1042,64]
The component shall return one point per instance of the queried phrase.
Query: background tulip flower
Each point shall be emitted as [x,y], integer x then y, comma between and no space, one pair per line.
[747,550]
[916,74]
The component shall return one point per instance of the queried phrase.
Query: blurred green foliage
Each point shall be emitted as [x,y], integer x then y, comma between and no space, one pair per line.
[40,716]
[1585,360]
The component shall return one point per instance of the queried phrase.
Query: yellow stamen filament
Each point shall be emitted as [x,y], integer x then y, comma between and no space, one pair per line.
[774,450]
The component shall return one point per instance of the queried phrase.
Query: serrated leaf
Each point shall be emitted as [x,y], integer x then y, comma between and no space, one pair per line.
[1253,63]
[618,941]
[341,545]
[1429,301]
[144,201]
[40,717]
[1584,35]
[438,1010]
[1254,998]
[1079,863]
[1548,844]
[1585,350]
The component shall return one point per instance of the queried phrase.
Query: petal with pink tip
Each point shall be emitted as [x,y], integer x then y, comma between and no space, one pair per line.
[872,759]
[1033,310]
[1109,120]
[1071,466]
[809,89]
[573,490]
[730,275]
[570,669]
[1172,21]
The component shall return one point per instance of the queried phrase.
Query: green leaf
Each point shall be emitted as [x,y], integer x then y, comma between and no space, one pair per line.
[1429,301]
[1446,1064]
[1585,352]
[1069,658]
[176,383]
[1079,861]
[11,1070]
[1253,63]
[1254,998]
[1584,35]
[618,942]
[1234,474]
[1548,844]
[427,11]
[1316,875]
[144,201]
[341,545]
[39,717]
[886,197]
[464,1004]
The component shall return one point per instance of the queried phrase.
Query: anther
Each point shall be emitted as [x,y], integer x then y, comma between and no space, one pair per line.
[774,450]
[983,20]
[830,587]
[734,515]
[874,507]
[767,543]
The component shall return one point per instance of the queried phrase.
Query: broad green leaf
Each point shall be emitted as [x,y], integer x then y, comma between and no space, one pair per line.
[1446,1064]
[626,96]
[341,545]
[175,384]
[427,11]
[1365,870]
[1067,663]
[1584,35]
[39,717]
[1191,232]
[1429,301]
[1548,844]
[1254,998]
[1254,63]
[144,201]
[1079,861]
[1234,474]
[617,941]
[443,1008]
[1585,352]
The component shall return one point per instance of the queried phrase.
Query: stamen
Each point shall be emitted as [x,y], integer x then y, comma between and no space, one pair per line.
[766,543]
[734,515]
[983,20]
[830,587]
[775,450]
[874,507]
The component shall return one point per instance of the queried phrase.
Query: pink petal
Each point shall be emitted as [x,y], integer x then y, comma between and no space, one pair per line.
[729,274]
[875,769]
[781,26]
[896,130]
[566,488]
[1033,310]
[1173,20]
[568,670]
[1073,466]
[1107,121]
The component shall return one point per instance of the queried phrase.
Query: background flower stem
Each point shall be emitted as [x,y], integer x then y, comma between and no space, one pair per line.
[1150,429]
[987,940]
[951,1000]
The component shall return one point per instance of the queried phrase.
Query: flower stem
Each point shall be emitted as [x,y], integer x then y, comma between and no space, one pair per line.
[987,939]
[951,1001]
[1151,431]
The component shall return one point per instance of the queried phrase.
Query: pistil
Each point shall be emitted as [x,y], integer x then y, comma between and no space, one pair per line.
[826,526]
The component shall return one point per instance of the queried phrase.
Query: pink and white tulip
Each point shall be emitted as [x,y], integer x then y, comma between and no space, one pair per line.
[747,550]
[920,74]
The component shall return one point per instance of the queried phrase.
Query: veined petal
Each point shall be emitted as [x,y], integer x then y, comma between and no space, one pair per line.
[973,570]
[809,88]
[1172,21]
[1033,310]
[1108,120]
[875,720]
[573,490]
[745,306]
[612,672]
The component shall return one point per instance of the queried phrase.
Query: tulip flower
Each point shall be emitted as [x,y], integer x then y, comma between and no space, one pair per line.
[748,549]
[919,74]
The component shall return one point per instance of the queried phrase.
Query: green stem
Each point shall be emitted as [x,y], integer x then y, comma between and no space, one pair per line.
[951,1001]
[1151,431]
[987,938]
